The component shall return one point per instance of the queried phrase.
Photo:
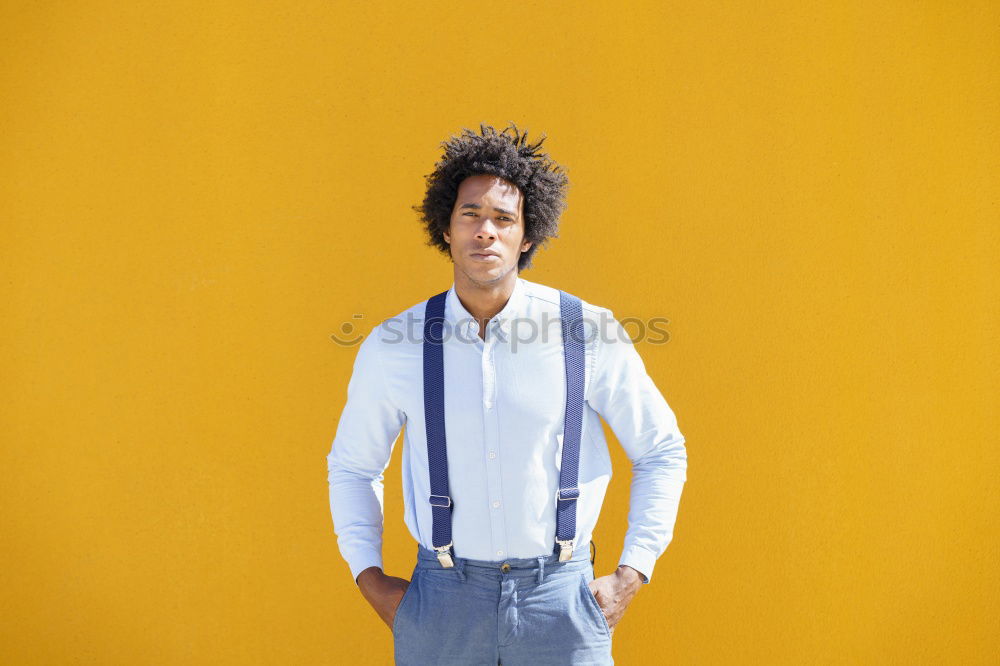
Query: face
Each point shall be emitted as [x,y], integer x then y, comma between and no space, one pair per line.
[486,233]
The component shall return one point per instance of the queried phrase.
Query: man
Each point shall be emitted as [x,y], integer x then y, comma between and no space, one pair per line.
[505,464]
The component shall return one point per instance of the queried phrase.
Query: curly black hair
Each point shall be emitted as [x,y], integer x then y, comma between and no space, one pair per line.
[508,155]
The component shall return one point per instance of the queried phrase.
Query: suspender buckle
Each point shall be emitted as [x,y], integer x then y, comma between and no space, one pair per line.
[444,556]
[441,500]
[565,550]
[565,494]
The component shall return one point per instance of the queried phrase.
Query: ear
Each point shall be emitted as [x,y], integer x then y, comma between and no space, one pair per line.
[447,238]
[526,245]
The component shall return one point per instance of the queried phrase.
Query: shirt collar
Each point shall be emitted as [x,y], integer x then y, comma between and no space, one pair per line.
[455,312]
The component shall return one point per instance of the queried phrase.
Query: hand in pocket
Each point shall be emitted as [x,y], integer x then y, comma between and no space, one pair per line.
[384,593]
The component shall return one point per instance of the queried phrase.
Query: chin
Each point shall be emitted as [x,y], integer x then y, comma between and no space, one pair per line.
[479,274]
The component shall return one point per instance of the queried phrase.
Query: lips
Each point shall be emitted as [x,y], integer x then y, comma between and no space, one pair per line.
[485,256]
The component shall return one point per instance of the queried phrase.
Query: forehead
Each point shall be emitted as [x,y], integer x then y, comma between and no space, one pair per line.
[487,186]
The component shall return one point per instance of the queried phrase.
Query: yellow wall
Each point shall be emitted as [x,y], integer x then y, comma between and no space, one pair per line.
[194,196]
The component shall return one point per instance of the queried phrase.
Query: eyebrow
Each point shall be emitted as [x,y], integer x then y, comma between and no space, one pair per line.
[477,207]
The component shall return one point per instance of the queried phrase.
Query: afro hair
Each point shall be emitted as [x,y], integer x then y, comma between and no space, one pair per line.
[508,155]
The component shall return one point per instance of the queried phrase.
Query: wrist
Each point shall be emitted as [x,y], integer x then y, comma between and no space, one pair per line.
[367,575]
[631,576]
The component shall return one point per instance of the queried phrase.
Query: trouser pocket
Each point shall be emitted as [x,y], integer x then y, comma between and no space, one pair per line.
[411,591]
[595,608]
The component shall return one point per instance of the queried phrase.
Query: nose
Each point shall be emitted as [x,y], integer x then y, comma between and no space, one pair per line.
[487,229]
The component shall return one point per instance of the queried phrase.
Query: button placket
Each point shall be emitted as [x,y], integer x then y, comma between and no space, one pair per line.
[491,425]
[489,375]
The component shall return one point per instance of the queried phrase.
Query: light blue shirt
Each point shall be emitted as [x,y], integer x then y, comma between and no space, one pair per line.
[504,410]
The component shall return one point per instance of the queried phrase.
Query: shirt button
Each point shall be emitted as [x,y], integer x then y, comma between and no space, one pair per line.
[499,553]
[493,454]
[496,505]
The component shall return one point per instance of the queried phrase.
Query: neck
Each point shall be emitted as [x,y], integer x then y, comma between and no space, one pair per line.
[484,300]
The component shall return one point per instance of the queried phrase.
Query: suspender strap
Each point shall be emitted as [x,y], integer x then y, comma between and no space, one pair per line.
[437,449]
[571,312]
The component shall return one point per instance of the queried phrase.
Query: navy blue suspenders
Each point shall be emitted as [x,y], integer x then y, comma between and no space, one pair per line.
[571,314]
[437,450]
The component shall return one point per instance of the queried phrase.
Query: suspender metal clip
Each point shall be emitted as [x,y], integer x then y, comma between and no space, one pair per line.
[565,550]
[444,556]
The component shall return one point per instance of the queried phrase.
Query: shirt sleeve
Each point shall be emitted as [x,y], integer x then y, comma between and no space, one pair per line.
[362,446]
[626,397]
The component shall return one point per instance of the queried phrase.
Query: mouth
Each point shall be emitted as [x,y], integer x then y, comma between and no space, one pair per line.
[485,256]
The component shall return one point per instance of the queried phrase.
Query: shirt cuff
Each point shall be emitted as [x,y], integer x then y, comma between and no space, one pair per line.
[362,561]
[641,560]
